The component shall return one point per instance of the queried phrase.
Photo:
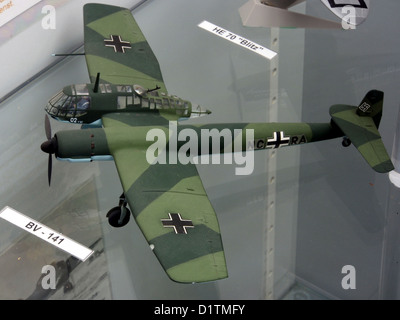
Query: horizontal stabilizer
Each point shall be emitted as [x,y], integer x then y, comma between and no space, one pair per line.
[363,132]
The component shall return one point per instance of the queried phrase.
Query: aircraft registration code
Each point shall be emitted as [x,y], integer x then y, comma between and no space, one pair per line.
[45,233]
[239,40]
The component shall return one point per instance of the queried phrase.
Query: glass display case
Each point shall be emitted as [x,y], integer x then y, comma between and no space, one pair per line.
[311,221]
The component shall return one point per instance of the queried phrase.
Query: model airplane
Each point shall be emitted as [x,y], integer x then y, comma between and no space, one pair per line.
[275,13]
[63,272]
[168,201]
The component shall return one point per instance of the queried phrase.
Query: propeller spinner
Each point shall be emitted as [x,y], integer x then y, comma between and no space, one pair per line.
[49,146]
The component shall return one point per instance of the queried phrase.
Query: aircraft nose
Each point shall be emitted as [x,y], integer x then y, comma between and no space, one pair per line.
[49,146]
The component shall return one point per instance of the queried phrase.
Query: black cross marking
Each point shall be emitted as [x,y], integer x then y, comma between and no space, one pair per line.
[117,44]
[361,4]
[278,140]
[175,221]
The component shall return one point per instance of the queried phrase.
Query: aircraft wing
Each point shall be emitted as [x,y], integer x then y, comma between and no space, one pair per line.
[364,135]
[170,206]
[116,48]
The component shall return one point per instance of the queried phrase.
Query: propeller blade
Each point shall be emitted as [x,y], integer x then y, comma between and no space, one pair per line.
[47,127]
[49,167]
[48,146]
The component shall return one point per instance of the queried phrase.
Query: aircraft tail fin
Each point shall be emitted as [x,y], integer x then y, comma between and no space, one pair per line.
[372,106]
[360,125]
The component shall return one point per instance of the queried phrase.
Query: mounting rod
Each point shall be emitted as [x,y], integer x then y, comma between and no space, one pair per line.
[66,54]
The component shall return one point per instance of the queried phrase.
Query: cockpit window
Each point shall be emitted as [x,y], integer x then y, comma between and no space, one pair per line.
[124,89]
[152,99]
[105,88]
[80,90]
[63,105]
[82,105]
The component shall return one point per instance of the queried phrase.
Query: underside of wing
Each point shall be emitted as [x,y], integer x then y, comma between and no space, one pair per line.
[364,135]
[172,209]
[116,48]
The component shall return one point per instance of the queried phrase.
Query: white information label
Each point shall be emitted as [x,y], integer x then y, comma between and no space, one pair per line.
[43,232]
[9,9]
[236,39]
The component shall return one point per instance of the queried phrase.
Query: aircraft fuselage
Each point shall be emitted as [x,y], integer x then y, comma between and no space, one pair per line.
[82,104]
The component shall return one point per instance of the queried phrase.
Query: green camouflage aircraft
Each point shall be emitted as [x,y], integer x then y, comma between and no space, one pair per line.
[127,99]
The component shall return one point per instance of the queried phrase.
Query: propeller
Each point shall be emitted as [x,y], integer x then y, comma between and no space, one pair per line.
[49,146]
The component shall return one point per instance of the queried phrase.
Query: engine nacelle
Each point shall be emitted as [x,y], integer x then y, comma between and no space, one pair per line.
[82,145]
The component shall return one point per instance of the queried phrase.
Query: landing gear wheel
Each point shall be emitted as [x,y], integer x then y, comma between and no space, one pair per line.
[346,142]
[118,216]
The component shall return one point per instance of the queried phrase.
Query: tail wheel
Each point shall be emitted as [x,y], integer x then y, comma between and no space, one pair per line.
[118,216]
